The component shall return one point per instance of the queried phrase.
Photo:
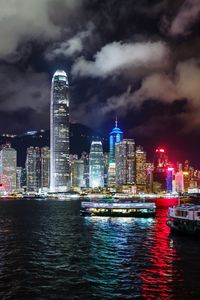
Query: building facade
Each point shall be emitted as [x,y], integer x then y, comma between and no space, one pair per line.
[116,137]
[85,159]
[125,162]
[140,161]
[19,179]
[96,165]
[33,169]
[59,133]
[78,174]
[45,168]
[8,168]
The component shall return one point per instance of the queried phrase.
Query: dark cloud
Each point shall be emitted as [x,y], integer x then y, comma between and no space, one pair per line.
[120,56]
[188,14]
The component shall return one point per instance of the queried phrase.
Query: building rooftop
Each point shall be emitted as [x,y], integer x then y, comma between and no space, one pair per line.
[60,73]
[116,129]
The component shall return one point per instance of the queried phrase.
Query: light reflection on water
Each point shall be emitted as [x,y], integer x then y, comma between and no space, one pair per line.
[48,251]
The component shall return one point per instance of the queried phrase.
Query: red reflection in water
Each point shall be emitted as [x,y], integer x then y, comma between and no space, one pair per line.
[160,277]
[166,202]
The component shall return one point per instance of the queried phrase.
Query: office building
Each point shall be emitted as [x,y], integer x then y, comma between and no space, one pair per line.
[85,159]
[78,174]
[140,160]
[8,168]
[59,133]
[33,169]
[116,136]
[125,162]
[96,165]
[45,168]
[170,175]
[19,179]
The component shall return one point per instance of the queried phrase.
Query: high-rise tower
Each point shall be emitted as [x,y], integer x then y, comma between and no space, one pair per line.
[45,167]
[33,170]
[96,165]
[8,168]
[116,136]
[125,162]
[140,161]
[59,141]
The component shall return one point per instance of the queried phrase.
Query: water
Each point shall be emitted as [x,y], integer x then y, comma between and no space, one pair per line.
[47,251]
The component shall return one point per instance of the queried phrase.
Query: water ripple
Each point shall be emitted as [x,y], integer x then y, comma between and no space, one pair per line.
[47,251]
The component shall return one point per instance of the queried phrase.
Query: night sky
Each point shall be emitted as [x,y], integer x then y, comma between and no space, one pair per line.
[137,59]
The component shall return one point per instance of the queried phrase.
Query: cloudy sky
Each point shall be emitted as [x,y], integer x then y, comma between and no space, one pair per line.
[137,59]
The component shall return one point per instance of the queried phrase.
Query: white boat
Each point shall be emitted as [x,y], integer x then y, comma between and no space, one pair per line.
[185,219]
[118,209]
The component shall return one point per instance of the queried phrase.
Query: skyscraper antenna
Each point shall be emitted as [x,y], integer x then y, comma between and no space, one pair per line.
[116,122]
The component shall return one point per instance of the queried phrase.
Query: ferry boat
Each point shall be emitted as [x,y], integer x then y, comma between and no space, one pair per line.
[118,209]
[185,218]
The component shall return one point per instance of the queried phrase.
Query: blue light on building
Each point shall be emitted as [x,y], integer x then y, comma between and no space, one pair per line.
[169,179]
[116,137]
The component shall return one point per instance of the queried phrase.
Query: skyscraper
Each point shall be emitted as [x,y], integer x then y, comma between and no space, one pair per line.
[19,179]
[116,136]
[140,159]
[59,161]
[125,162]
[96,165]
[78,174]
[45,167]
[159,175]
[8,168]
[85,159]
[33,169]
[170,175]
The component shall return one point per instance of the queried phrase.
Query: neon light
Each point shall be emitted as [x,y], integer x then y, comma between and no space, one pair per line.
[170,169]
[161,150]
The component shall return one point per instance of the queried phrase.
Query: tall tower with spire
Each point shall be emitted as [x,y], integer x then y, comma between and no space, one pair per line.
[116,137]
[59,131]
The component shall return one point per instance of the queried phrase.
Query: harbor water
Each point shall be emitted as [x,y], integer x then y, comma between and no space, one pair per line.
[48,251]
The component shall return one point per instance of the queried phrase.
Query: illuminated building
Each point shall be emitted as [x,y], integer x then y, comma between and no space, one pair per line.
[72,158]
[125,162]
[186,175]
[149,177]
[45,167]
[161,160]
[186,180]
[96,165]
[59,140]
[160,174]
[33,170]
[85,159]
[179,181]
[140,160]
[170,173]
[116,136]
[8,168]
[19,178]
[78,174]
[106,166]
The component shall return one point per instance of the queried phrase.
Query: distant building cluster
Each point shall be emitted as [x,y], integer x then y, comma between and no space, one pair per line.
[125,169]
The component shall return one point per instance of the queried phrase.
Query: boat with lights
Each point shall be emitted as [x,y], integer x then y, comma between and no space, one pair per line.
[118,209]
[185,218]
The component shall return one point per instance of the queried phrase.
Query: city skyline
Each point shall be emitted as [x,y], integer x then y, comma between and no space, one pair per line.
[124,84]
[99,149]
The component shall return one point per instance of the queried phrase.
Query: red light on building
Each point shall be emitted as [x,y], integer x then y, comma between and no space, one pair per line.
[170,169]
[161,150]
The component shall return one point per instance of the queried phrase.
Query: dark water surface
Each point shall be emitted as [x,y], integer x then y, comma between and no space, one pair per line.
[47,251]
